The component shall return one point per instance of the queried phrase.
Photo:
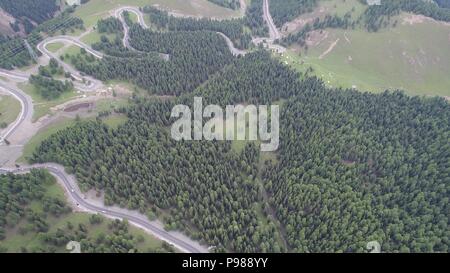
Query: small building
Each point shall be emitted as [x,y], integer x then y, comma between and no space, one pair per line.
[373,2]
[73,2]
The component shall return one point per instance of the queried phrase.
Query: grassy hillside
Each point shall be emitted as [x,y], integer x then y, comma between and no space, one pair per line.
[414,55]
[96,9]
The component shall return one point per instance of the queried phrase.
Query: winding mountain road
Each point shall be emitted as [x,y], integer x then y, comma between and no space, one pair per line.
[85,84]
[80,83]
[68,39]
[25,112]
[274,34]
[273,31]
[67,181]
[16,75]
[235,51]
[118,13]
[177,239]
[70,186]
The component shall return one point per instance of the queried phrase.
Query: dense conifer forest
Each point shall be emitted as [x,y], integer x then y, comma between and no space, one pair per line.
[28,209]
[378,16]
[373,19]
[233,28]
[192,58]
[37,11]
[13,52]
[443,3]
[287,10]
[352,167]
[254,19]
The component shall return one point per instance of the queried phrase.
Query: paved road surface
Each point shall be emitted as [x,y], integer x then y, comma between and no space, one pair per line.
[178,240]
[92,84]
[26,103]
[118,13]
[15,75]
[181,242]
[25,112]
[273,31]
[235,51]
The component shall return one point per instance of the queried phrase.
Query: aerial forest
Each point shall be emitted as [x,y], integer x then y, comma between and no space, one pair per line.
[35,219]
[352,167]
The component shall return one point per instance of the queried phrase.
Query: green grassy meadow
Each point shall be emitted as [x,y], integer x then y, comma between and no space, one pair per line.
[115,121]
[53,47]
[41,105]
[94,10]
[9,109]
[414,58]
[94,37]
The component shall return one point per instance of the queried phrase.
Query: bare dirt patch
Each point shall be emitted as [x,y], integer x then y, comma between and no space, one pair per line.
[298,23]
[76,107]
[412,19]
[326,52]
[348,162]
[5,20]
[121,90]
[295,25]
